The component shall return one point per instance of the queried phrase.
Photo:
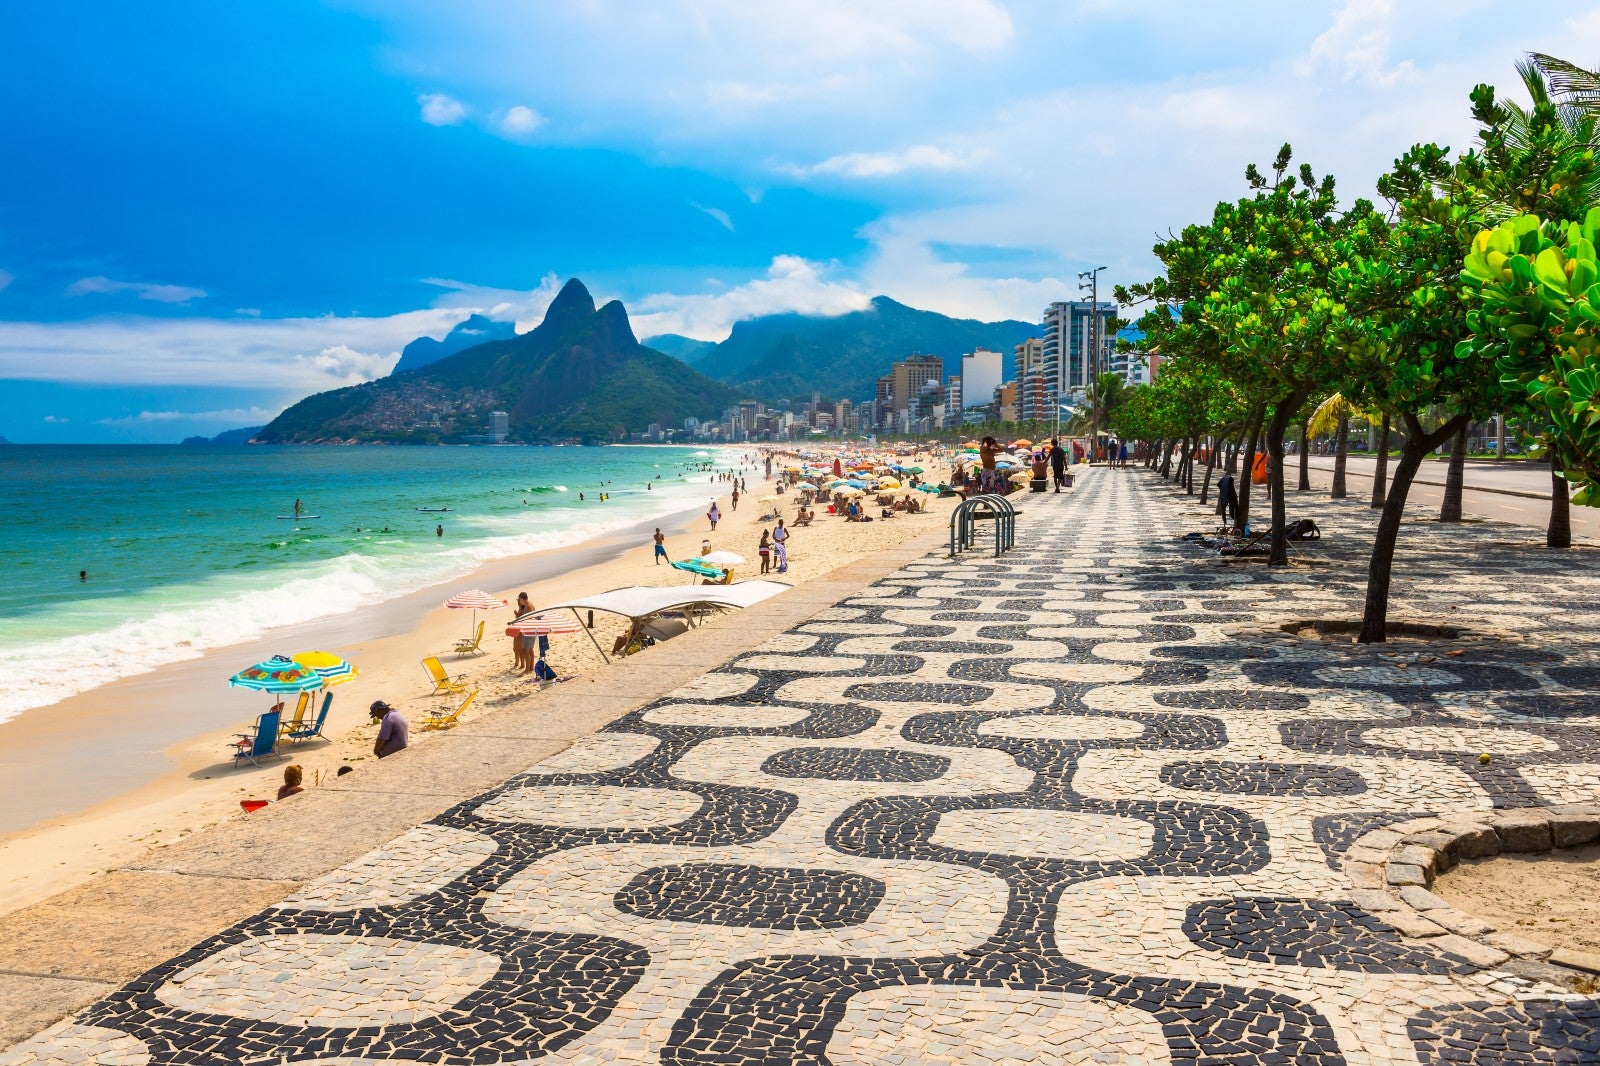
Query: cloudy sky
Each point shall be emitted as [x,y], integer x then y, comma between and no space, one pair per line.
[209,210]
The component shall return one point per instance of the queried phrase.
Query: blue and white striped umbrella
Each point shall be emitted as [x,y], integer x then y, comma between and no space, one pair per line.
[333,669]
[278,674]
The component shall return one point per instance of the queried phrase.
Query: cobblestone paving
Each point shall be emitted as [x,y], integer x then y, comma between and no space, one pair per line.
[1051,808]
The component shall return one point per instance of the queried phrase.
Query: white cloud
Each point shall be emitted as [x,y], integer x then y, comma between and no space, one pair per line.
[166,294]
[888,164]
[719,214]
[1358,44]
[441,110]
[6,278]
[791,284]
[524,308]
[234,416]
[248,312]
[55,420]
[344,365]
[519,121]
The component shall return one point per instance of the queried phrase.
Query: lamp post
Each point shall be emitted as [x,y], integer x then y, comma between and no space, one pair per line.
[1089,280]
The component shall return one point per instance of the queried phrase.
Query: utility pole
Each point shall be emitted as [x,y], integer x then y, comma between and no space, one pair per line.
[1090,280]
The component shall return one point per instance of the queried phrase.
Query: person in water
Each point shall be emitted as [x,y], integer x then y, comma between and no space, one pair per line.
[83,575]
[438,531]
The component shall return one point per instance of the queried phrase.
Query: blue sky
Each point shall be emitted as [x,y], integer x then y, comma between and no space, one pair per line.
[208,211]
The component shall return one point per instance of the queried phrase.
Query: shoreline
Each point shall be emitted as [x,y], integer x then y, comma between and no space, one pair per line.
[98,783]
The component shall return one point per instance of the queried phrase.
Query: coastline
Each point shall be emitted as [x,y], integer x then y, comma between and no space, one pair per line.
[141,762]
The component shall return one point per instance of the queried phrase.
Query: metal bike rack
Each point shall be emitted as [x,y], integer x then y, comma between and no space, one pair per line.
[997,509]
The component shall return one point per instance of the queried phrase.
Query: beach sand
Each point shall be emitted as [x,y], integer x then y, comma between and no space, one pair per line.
[98,779]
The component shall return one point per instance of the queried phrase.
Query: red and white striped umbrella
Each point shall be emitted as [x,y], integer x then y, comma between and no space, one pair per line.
[536,626]
[474,600]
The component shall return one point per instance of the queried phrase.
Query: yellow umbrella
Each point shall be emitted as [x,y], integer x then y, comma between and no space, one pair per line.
[889,483]
[333,669]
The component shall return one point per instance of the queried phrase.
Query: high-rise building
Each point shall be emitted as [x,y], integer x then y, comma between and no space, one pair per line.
[1005,402]
[842,416]
[981,372]
[908,376]
[1029,376]
[499,425]
[1069,360]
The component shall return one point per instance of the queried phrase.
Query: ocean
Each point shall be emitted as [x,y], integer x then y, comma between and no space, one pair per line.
[184,551]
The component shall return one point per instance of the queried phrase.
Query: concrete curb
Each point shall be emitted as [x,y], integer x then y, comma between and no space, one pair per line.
[65,952]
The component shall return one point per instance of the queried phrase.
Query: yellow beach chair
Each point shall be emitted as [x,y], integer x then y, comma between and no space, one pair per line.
[289,725]
[442,682]
[472,646]
[447,721]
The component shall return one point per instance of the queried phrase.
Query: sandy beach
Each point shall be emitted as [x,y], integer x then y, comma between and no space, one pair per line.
[101,777]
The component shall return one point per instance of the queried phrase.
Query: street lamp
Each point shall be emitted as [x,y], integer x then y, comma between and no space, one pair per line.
[1089,280]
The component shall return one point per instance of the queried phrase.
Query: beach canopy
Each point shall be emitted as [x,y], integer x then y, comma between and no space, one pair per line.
[642,601]
[333,669]
[277,674]
[539,626]
[474,600]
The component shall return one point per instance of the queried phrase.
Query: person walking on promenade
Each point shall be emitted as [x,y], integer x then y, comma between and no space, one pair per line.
[1227,500]
[661,547]
[1058,463]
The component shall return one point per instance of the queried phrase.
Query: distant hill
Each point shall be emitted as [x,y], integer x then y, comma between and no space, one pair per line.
[227,436]
[474,330]
[688,349]
[580,374]
[4,441]
[789,355]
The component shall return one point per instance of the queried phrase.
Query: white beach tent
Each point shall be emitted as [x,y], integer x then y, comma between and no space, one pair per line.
[641,602]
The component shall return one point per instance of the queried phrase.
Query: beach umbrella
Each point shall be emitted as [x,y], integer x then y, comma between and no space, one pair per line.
[913,469]
[888,483]
[1022,443]
[278,674]
[695,566]
[538,625]
[333,669]
[722,558]
[1020,476]
[473,600]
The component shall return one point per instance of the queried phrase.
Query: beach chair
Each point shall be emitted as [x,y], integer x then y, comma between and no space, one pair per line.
[447,721]
[306,732]
[442,682]
[299,719]
[472,645]
[260,743]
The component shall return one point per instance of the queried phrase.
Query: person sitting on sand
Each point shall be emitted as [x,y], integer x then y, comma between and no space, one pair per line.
[393,730]
[629,642]
[291,782]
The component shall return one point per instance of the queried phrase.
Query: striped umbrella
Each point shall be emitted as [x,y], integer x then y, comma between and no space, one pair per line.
[278,674]
[473,600]
[333,669]
[540,626]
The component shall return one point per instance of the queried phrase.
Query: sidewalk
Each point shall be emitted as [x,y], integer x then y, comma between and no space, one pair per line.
[1084,803]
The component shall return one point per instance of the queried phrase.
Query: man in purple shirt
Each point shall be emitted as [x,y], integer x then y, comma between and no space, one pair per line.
[393,731]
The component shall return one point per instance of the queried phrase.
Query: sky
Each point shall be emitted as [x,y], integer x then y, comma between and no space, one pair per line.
[211,210]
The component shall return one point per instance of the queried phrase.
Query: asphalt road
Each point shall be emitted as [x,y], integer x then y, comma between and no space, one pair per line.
[1427,492]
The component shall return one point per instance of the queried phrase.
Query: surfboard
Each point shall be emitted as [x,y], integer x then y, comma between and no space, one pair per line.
[302,518]
[433,510]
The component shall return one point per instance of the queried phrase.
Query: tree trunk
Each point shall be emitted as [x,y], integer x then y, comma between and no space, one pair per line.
[1211,466]
[1252,431]
[1189,447]
[1455,477]
[1305,459]
[1341,454]
[1279,555]
[1381,474]
[1559,532]
[1166,462]
[1375,614]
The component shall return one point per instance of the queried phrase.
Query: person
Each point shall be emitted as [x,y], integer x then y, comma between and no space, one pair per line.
[714,516]
[83,575]
[661,547]
[438,531]
[393,731]
[705,546]
[1058,463]
[521,643]
[1039,471]
[297,508]
[736,498]
[780,540]
[989,478]
[633,638]
[291,782]
[764,549]
[1227,499]
[580,497]
[1122,453]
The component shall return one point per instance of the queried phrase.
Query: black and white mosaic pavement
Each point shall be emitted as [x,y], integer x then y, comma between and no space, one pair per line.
[1052,808]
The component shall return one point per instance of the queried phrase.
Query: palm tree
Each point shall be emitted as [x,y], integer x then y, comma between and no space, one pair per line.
[1333,416]
[1108,392]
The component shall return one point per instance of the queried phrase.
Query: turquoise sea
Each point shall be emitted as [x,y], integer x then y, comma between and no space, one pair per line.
[184,552]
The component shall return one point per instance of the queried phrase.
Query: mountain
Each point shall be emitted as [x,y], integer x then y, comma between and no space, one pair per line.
[580,374]
[789,355]
[227,436]
[688,349]
[474,330]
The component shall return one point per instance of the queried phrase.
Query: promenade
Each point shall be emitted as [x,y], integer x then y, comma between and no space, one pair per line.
[1086,803]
